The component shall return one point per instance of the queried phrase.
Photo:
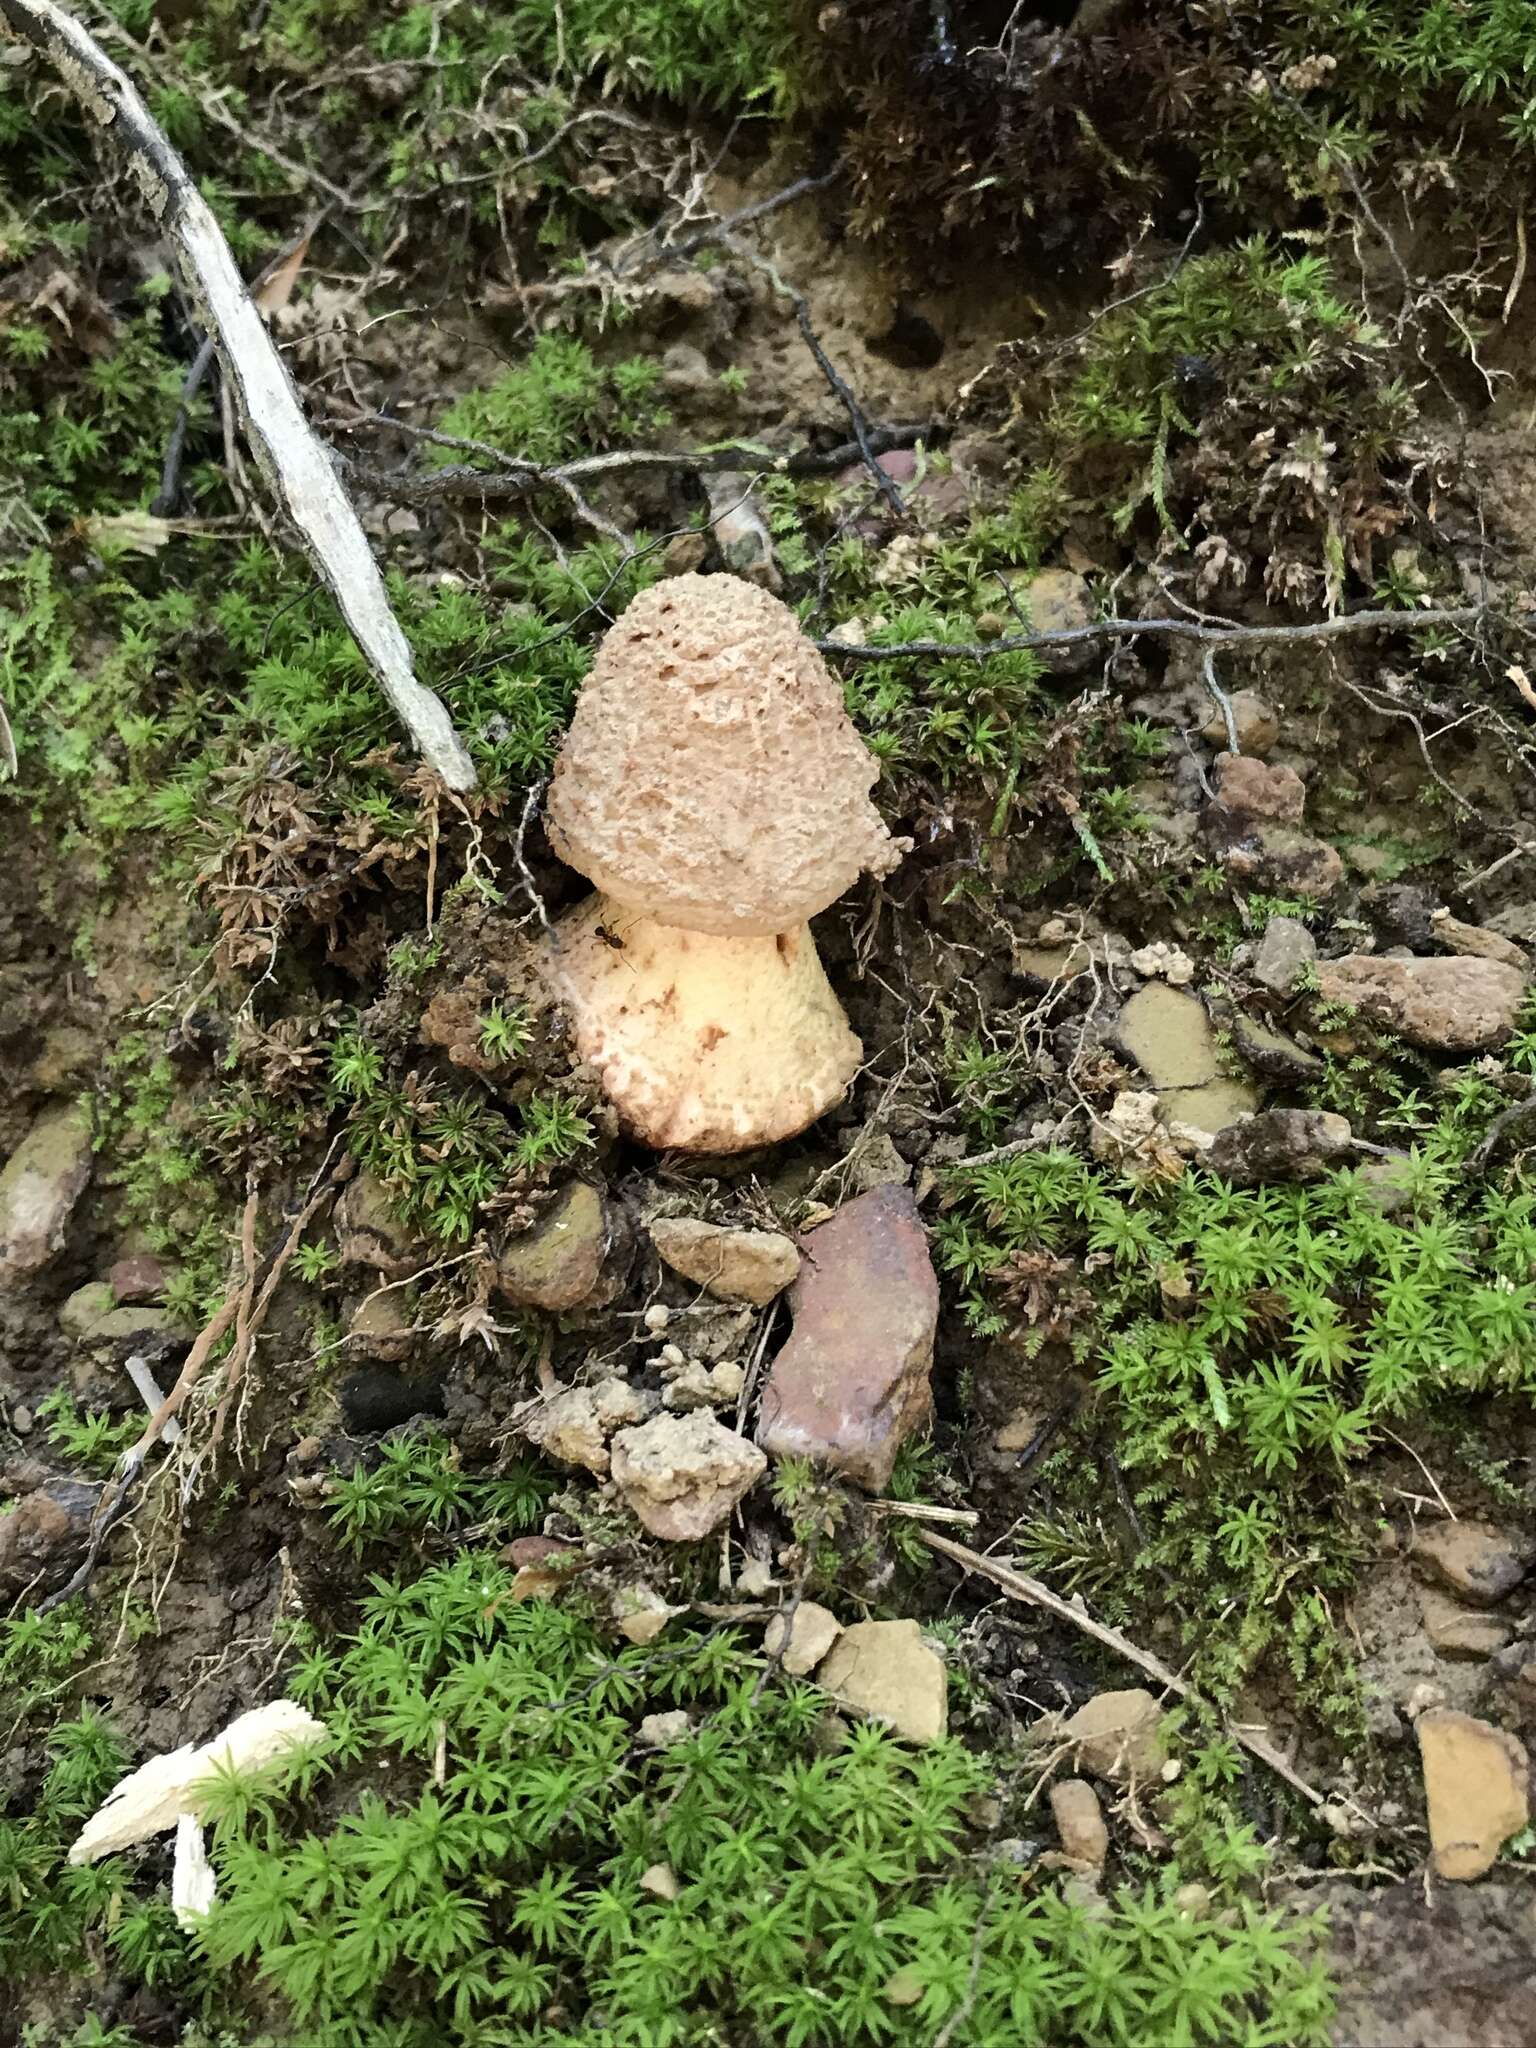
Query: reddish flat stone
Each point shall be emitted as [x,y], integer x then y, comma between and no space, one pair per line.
[137,1280]
[851,1384]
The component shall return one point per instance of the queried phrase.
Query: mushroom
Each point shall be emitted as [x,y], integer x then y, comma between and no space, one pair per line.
[714,789]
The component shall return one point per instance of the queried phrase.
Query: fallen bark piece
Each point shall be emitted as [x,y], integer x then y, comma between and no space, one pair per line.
[732,1265]
[886,1670]
[152,1799]
[291,457]
[1444,1005]
[42,1181]
[852,1383]
[1476,1785]
[681,1475]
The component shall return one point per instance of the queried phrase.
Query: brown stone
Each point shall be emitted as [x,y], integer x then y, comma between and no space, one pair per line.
[886,1670]
[557,1264]
[1257,726]
[43,1536]
[1117,1735]
[1477,942]
[1455,1631]
[681,1475]
[732,1265]
[138,1279]
[1476,1783]
[1284,861]
[1080,1822]
[573,1426]
[1280,1145]
[800,1640]
[1254,790]
[851,1384]
[1445,1005]
[43,1179]
[369,1231]
[1476,1560]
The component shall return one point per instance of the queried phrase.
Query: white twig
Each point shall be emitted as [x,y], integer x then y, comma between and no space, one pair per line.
[295,464]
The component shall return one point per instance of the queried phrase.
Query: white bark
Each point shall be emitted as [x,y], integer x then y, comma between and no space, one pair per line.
[293,460]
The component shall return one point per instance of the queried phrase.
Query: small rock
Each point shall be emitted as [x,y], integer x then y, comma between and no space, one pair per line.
[1257,726]
[803,1638]
[730,1264]
[1461,1005]
[1283,861]
[1400,914]
[886,1670]
[1193,1901]
[1168,1034]
[558,1263]
[42,1181]
[684,554]
[660,1880]
[1280,1145]
[137,1280]
[1476,942]
[1057,601]
[660,1731]
[1476,1560]
[374,1399]
[381,1327]
[681,1475]
[1455,1632]
[704,1386]
[1274,1054]
[1165,962]
[23,1421]
[1285,952]
[656,1318]
[1254,790]
[1019,1429]
[1080,1822]
[370,1233]
[740,530]
[852,1382]
[1476,1782]
[44,1536]
[92,1316]
[1117,1735]
[874,1162]
[640,1613]
[573,1426]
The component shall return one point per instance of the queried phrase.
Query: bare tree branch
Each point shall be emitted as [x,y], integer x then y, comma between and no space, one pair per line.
[293,460]
[1172,629]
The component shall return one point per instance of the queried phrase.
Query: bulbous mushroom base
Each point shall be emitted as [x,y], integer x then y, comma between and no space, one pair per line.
[703,1043]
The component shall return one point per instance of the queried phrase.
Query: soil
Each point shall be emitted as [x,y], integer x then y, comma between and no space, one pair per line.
[1421,1965]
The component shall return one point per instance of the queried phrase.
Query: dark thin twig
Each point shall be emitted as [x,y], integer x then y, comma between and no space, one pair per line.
[798,190]
[1175,629]
[163,503]
[516,476]
[828,369]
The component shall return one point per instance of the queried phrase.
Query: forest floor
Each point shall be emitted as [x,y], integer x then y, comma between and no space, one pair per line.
[1188,1159]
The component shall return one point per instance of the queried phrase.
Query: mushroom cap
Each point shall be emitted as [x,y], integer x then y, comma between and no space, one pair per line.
[703,1043]
[711,777]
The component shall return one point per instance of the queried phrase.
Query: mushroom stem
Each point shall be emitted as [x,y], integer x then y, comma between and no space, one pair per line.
[703,1043]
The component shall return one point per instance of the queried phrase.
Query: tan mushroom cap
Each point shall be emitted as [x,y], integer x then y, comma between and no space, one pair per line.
[711,777]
